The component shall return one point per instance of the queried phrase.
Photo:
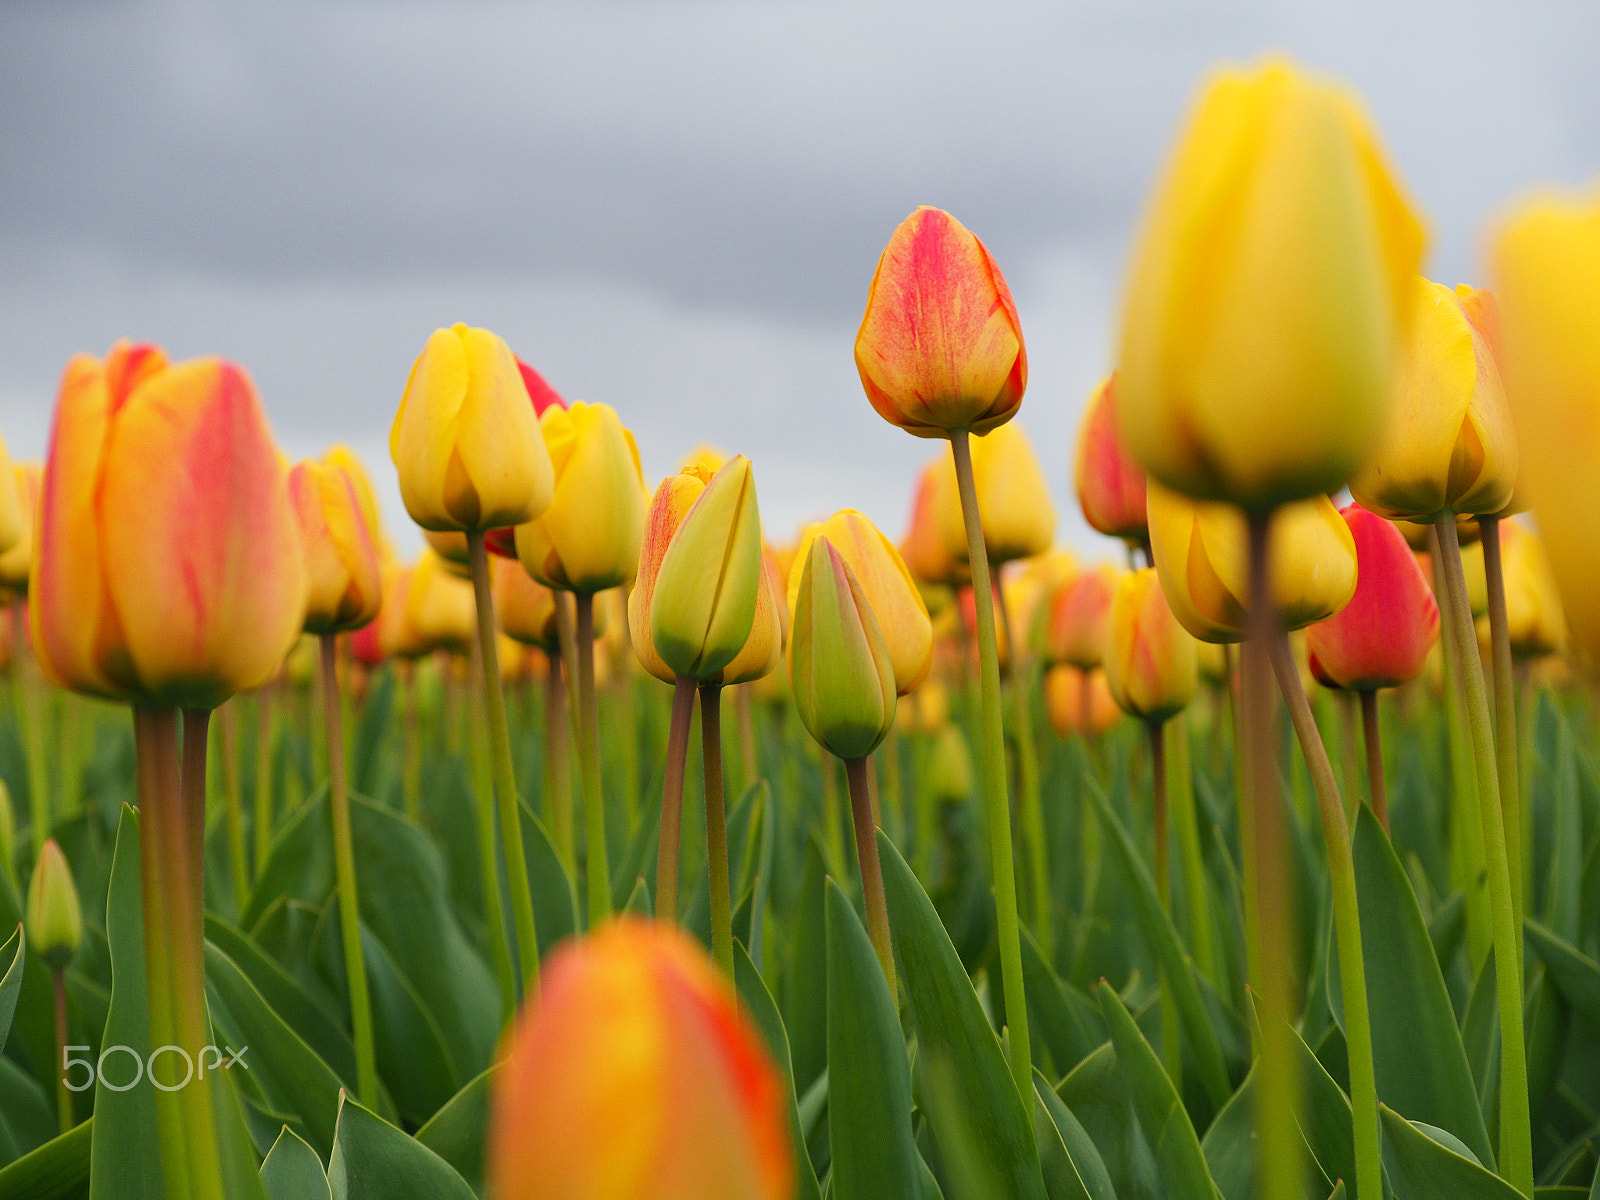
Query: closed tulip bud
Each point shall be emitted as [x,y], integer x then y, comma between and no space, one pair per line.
[702,602]
[347,460]
[940,347]
[1382,637]
[440,612]
[1534,617]
[1013,502]
[706,458]
[923,549]
[1449,445]
[1546,258]
[674,497]
[1064,701]
[1201,551]
[167,566]
[466,440]
[588,539]
[1150,661]
[1268,294]
[526,609]
[902,616]
[636,1075]
[763,649]
[838,661]
[1074,629]
[344,584]
[948,773]
[17,563]
[55,922]
[1110,483]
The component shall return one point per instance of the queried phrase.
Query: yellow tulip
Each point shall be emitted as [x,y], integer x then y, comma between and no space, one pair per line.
[1150,662]
[13,521]
[1202,555]
[588,539]
[1267,295]
[1013,500]
[763,649]
[887,584]
[344,580]
[440,611]
[1534,617]
[465,440]
[17,562]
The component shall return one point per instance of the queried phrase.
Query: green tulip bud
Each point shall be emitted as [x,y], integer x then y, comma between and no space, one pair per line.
[949,767]
[55,923]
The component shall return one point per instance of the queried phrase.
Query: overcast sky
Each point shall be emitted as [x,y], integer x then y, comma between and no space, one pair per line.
[671,207]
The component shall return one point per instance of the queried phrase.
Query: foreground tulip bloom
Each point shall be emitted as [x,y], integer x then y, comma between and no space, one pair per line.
[940,347]
[899,608]
[1268,294]
[923,548]
[17,563]
[1150,664]
[636,1075]
[341,553]
[1449,444]
[465,440]
[1075,624]
[1018,519]
[168,566]
[1110,483]
[1201,552]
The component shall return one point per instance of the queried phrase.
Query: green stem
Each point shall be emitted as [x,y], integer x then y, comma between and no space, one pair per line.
[1346,922]
[1373,735]
[669,851]
[344,863]
[594,798]
[557,760]
[1270,940]
[411,770]
[1180,779]
[1171,1048]
[855,773]
[505,777]
[494,916]
[995,794]
[1023,680]
[567,635]
[58,985]
[29,699]
[1516,1136]
[1505,715]
[233,803]
[716,825]
[266,743]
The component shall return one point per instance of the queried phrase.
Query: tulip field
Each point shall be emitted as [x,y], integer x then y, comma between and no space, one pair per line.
[618,846]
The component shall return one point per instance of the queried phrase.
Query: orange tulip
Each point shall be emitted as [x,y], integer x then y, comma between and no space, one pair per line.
[341,554]
[636,1074]
[940,347]
[1110,482]
[167,566]
[526,609]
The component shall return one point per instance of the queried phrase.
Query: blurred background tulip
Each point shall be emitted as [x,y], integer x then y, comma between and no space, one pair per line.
[1014,502]
[1070,693]
[439,613]
[923,547]
[1150,664]
[1075,625]
[16,563]
[341,552]
[1110,483]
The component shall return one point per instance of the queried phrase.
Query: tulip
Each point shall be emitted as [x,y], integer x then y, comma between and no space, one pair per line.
[878,568]
[465,440]
[706,458]
[1449,445]
[1028,586]
[1017,517]
[1150,662]
[14,521]
[541,393]
[439,610]
[948,773]
[763,649]
[17,562]
[637,1074]
[940,347]
[55,922]
[1268,295]
[923,547]
[1069,692]
[1201,554]
[1110,483]
[673,499]
[588,539]
[168,565]
[1534,616]
[342,456]
[1075,624]
[341,553]
[526,609]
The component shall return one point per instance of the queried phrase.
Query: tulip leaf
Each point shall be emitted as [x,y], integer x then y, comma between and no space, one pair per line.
[637,864]
[1097,1097]
[804,980]
[758,1005]
[1067,1023]
[32,1036]
[1229,1145]
[1575,974]
[555,906]
[57,1170]
[1167,1128]
[456,1132]
[869,1081]
[1068,1160]
[1417,1050]
[1324,1118]
[372,1160]
[1422,1168]
[951,1024]
[292,1170]
[13,954]
[27,1115]
[1160,933]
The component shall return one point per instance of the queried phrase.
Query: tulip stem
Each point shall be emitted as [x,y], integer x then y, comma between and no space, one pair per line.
[29,700]
[855,773]
[1373,735]
[1180,779]
[1516,1137]
[1022,684]
[58,983]
[1171,1048]
[669,850]
[266,731]
[233,802]
[995,795]
[1270,938]
[411,769]
[505,776]
[716,826]
[344,863]
[594,799]
[557,759]
[567,636]
[1347,922]
[1505,713]
[494,916]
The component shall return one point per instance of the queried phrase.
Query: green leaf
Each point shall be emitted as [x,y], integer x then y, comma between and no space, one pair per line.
[372,1160]
[1096,1095]
[1418,1056]
[1576,975]
[869,1082]
[57,1170]
[805,978]
[1229,1145]
[1067,1158]
[951,1025]
[1163,939]
[1325,1118]
[28,1116]
[638,862]
[11,981]
[1157,1105]
[758,1005]
[456,1132]
[554,906]
[1423,1169]
[292,1170]
[1066,1022]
